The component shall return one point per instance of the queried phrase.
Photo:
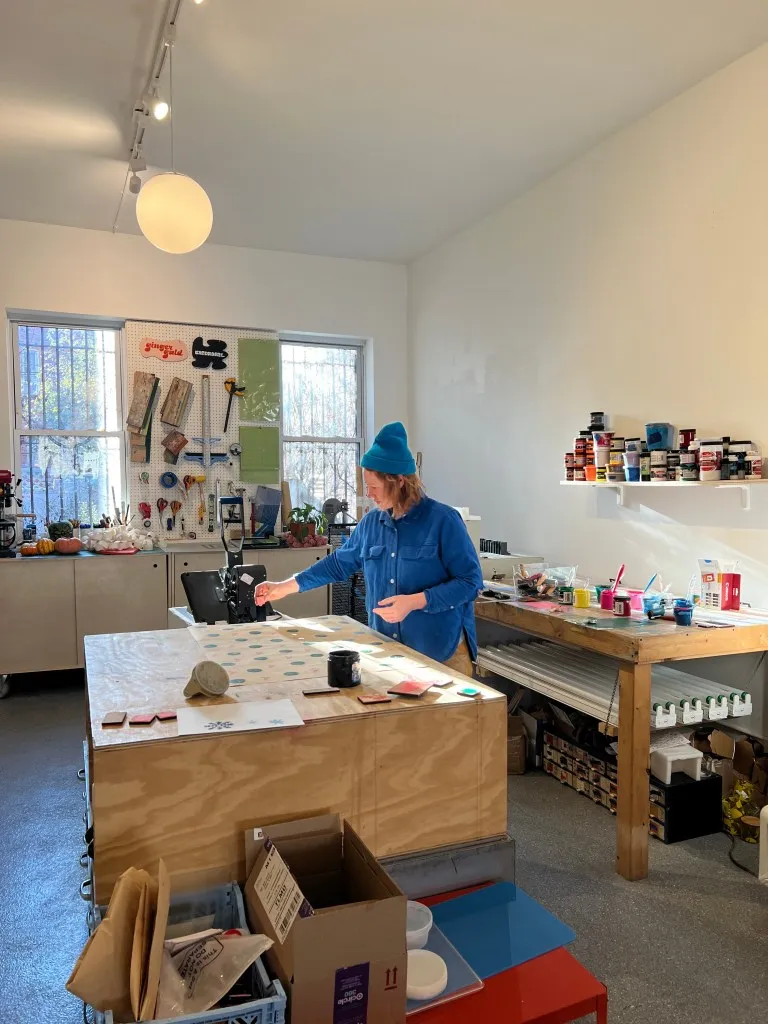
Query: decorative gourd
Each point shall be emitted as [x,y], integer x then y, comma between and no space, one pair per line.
[28,549]
[56,530]
[45,546]
[68,545]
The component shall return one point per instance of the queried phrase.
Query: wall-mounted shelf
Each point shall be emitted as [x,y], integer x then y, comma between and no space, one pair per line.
[745,486]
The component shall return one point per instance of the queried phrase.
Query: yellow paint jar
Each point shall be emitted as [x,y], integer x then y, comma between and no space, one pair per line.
[581,598]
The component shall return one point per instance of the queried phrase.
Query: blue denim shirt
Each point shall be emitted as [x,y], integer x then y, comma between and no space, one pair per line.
[427,550]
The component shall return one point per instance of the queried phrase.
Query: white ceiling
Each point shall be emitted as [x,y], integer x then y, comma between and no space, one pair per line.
[366,128]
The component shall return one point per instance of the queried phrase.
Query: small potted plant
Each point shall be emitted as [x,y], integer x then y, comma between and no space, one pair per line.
[305,521]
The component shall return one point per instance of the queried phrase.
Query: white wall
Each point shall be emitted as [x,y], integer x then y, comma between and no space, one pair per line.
[634,281]
[70,270]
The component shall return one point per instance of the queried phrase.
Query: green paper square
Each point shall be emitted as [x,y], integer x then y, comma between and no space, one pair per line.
[258,368]
[260,458]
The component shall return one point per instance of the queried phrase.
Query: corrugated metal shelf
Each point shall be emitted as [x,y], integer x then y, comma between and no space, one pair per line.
[587,682]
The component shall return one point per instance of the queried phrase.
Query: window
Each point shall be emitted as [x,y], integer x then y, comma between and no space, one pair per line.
[69,441]
[322,387]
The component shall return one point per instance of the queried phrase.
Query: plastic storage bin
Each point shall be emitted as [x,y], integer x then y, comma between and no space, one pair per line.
[225,903]
[659,436]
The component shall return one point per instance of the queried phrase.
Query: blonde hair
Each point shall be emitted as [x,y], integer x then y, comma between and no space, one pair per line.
[403,491]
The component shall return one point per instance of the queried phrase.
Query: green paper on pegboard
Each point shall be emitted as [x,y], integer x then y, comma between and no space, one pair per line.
[260,457]
[258,368]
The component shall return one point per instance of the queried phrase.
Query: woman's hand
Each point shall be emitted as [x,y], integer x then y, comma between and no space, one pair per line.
[395,609]
[275,591]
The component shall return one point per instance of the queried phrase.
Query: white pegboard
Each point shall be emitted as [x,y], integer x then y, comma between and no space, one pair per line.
[135,332]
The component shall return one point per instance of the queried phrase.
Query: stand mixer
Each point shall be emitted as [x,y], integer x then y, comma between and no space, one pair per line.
[7,521]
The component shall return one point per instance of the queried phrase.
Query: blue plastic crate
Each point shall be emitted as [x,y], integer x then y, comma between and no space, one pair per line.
[225,902]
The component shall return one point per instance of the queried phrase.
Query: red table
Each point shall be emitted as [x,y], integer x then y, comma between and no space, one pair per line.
[550,989]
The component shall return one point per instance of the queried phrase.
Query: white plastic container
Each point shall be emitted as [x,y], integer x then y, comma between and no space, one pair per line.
[427,975]
[418,925]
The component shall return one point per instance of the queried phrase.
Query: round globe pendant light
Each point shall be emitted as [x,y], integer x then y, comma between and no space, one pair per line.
[174,212]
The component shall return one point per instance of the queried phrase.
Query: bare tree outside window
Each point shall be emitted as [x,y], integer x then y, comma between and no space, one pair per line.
[68,420]
[322,420]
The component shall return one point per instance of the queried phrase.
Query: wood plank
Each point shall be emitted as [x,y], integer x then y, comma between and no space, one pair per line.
[492,770]
[703,643]
[636,640]
[145,389]
[190,801]
[142,671]
[174,408]
[542,620]
[634,753]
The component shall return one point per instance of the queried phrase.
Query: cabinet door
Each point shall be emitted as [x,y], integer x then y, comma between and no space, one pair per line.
[197,562]
[287,562]
[120,594]
[37,614]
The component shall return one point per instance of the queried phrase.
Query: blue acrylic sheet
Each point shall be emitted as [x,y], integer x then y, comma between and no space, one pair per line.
[499,927]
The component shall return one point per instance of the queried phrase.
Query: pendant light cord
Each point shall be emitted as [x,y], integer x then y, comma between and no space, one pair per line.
[170,90]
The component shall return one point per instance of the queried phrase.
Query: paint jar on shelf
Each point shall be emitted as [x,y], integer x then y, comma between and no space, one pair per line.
[684,437]
[597,421]
[658,473]
[632,466]
[633,444]
[753,465]
[710,460]
[569,471]
[580,443]
[569,460]
[658,458]
[645,466]
[601,440]
[579,475]
[590,474]
[601,474]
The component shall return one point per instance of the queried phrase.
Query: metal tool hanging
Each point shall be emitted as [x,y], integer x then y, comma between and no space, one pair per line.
[234,390]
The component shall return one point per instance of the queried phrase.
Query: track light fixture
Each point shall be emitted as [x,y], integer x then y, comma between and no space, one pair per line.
[134,184]
[158,107]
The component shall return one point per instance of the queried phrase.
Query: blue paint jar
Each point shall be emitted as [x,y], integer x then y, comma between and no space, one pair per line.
[683,612]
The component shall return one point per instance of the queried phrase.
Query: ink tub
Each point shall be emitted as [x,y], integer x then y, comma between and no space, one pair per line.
[418,924]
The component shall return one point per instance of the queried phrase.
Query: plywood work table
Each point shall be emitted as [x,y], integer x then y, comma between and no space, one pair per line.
[638,644]
[413,774]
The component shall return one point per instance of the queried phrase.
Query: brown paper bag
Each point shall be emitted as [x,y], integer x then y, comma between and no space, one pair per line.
[154,963]
[142,937]
[101,976]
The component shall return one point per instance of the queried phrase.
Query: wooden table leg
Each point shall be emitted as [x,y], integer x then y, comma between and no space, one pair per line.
[634,752]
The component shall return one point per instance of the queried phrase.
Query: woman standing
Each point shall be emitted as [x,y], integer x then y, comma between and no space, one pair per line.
[422,573]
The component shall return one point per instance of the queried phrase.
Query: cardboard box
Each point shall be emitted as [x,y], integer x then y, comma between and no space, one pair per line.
[517,745]
[337,920]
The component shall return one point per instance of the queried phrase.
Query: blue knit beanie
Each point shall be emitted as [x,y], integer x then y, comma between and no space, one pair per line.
[390,453]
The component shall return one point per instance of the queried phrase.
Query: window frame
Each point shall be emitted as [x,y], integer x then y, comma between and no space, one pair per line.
[327,341]
[17,320]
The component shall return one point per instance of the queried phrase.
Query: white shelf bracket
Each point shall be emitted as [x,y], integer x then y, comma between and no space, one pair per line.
[746,497]
[620,496]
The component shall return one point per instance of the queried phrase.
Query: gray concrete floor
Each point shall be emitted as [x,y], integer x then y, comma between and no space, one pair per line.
[687,946]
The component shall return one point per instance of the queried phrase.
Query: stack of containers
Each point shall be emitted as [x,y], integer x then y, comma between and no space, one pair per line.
[599,455]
